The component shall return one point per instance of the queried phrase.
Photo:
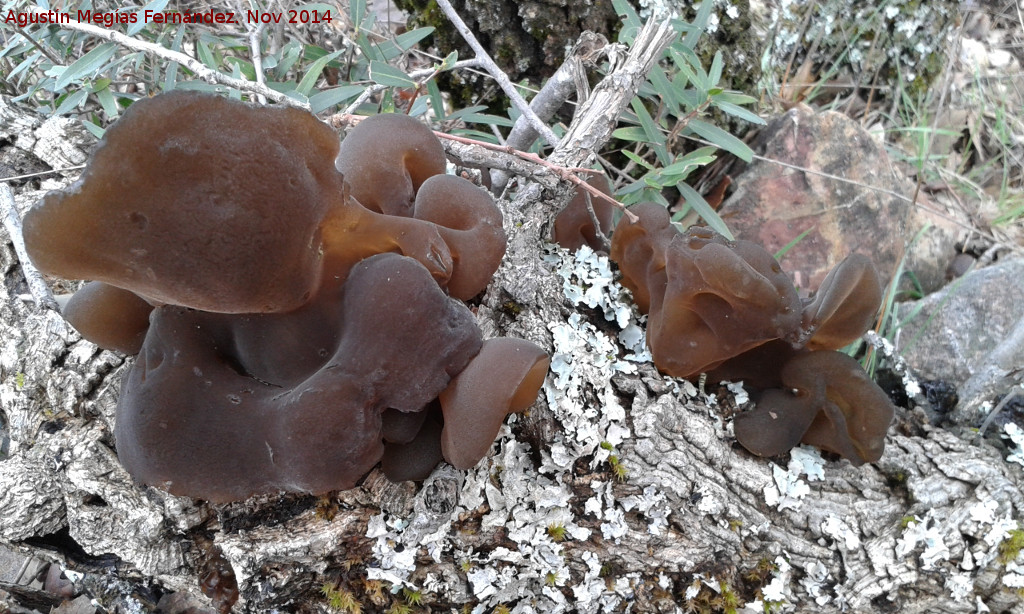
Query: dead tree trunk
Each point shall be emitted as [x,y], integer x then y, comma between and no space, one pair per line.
[622,490]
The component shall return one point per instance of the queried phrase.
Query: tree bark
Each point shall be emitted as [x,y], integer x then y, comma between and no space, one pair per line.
[620,490]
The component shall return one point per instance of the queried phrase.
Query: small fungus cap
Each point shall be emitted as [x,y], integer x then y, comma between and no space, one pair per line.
[845,305]
[110,317]
[503,378]
[386,158]
[471,226]
[829,402]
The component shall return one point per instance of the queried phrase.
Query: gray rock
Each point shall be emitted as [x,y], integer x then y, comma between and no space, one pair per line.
[953,330]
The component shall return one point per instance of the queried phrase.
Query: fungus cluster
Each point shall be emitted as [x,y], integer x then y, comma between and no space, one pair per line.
[727,309]
[297,310]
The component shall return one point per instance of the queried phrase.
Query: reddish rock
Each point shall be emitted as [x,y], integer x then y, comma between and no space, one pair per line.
[773,203]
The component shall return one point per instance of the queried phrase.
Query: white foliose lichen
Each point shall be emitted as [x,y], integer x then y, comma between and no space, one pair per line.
[1016,436]
[787,489]
[535,506]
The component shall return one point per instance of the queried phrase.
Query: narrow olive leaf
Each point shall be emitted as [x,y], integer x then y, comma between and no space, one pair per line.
[357,10]
[96,131]
[697,78]
[288,56]
[637,159]
[738,111]
[403,42]
[700,23]
[107,101]
[334,96]
[385,74]
[436,99]
[721,138]
[206,56]
[695,159]
[659,81]
[171,71]
[651,131]
[630,133]
[704,210]
[86,65]
[313,74]
[245,66]
[140,16]
[715,73]
[72,101]
[449,61]
[25,64]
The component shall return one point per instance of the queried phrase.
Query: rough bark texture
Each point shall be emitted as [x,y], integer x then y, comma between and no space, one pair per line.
[542,525]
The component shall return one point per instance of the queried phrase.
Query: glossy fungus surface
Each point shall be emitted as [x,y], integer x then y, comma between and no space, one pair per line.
[386,158]
[470,225]
[289,334]
[709,299]
[726,308]
[574,225]
[111,317]
[829,402]
[198,417]
[179,210]
[503,378]
[845,305]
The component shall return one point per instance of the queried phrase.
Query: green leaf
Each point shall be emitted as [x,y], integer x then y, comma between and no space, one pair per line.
[704,210]
[788,246]
[288,56]
[721,138]
[140,16]
[96,131]
[86,65]
[106,98]
[313,74]
[72,101]
[245,66]
[403,42]
[206,56]
[738,111]
[700,23]
[665,88]
[715,74]
[630,133]
[357,10]
[695,159]
[334,96]
[25,64]
[696,77]
[171,74]
[630,20]
[449,61]
[735,97]
[637,159]
[388,75]
[436,100]
[651,131]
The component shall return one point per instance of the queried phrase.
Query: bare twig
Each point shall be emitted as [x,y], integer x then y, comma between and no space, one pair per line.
[497,74]
[42,173]
[12,223]
[39,46]
[552,96]
[197,67]
[255,34]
